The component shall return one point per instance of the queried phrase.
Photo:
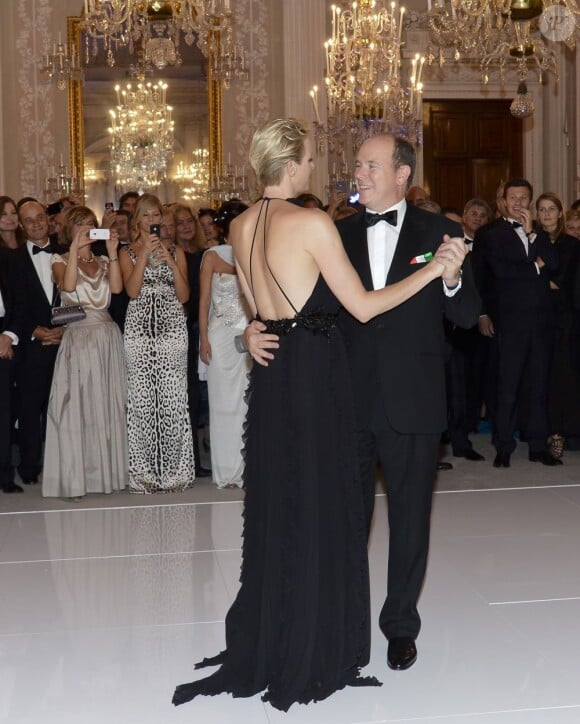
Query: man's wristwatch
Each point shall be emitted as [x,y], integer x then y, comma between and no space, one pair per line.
[239,344]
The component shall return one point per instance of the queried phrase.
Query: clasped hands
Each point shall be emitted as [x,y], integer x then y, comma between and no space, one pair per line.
[451,255]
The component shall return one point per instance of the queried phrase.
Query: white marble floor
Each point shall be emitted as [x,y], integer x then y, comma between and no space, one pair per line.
[103,610]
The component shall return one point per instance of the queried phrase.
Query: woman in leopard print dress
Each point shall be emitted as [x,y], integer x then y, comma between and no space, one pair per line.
[155,276]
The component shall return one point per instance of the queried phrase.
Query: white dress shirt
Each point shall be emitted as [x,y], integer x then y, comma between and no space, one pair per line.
[43,268]
[382,241]
[526,240]
[12,336]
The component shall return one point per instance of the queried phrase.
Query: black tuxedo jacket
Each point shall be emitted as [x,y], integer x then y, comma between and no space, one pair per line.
[400,355]
[36,307]
[522,295]
[11,296]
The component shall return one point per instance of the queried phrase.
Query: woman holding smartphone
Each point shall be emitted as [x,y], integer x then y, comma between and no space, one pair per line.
[86,431]
[155,276]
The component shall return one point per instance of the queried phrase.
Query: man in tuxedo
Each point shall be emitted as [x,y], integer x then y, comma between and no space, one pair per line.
[520,258]
[38,340]
[10,333]
[464,366]
[397,361]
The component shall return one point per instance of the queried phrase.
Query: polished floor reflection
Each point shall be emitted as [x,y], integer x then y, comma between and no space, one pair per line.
[105,609]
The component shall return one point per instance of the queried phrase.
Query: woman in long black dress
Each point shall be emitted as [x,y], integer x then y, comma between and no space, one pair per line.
[564,390]
[299,628]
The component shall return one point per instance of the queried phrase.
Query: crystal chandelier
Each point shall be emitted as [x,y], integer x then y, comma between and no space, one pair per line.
[61,67]
[141,135]
[158,28]
[229,182]
[364,92]
[499,35]
[193,179]
[60,182]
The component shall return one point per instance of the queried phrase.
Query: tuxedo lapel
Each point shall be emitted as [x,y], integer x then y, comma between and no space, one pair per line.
[411,243]
[358,251]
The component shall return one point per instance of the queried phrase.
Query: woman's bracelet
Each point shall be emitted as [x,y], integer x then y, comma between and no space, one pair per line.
[115,259]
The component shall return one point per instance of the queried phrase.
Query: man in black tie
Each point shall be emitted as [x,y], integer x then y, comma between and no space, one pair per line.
[39,340]
[464,366]
[397,362]
[519,258]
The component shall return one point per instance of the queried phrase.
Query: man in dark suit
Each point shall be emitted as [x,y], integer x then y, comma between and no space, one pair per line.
[464,366]
[520,258]
[397,362]
[10,332]
[39,340]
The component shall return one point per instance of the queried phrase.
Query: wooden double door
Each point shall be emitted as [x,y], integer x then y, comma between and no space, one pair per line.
[469,148]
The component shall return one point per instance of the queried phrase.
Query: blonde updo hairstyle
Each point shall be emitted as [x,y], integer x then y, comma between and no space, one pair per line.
[145,203]
[273,146]
[75,216]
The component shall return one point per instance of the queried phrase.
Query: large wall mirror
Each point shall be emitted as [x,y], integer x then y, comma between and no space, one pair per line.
[194,96]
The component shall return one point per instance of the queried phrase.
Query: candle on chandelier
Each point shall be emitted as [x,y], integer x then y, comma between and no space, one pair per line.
[314,96]
[401,13]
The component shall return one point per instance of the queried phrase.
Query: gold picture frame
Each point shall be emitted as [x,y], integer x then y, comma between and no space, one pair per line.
[75,110]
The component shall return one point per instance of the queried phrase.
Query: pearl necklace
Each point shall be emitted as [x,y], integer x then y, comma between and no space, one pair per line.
[87,261]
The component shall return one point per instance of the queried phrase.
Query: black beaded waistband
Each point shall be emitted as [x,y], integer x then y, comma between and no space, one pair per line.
[317,321]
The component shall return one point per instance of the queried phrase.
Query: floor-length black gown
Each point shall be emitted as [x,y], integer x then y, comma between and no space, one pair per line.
[299,628]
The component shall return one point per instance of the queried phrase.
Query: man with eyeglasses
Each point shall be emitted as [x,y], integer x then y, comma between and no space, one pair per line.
[463,369]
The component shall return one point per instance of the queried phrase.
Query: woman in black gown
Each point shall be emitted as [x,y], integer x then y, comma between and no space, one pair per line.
[299,628]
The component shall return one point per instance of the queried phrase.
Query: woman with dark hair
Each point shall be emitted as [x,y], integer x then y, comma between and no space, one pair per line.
[564,389]
[10,236]
[222,316]
[155,275]
[206,218]
[86,432]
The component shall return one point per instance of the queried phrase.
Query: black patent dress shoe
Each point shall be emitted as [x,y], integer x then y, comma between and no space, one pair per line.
[201,472]
[471,455]
[11,488]
[543,457]
[444,466]
[502,460]
[29,481]
[402,653]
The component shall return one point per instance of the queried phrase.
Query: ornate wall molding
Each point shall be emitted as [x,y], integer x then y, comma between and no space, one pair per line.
[36,139]
[247,104]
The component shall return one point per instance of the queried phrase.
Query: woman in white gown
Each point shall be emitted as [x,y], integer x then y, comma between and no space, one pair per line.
[223,316]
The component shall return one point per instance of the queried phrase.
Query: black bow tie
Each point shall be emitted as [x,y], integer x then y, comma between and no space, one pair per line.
[515,224]
[37,249]
[389,216]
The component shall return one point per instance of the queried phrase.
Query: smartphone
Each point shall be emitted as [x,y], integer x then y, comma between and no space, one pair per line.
[99,234]
[342,187]
[155,229]
[354,198]
[109,206]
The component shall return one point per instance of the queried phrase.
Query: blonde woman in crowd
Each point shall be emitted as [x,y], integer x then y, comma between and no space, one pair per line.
[86,432]
[155,275]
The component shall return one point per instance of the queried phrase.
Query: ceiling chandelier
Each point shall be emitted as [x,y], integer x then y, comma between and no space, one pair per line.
[157,27]
[364,92]
[193,178]
[141,135]
[503,35]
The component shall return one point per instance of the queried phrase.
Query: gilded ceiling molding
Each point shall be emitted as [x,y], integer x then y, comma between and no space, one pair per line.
[252,102]
[34,136]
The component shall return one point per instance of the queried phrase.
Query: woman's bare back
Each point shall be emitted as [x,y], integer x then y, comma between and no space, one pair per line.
[269,241]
